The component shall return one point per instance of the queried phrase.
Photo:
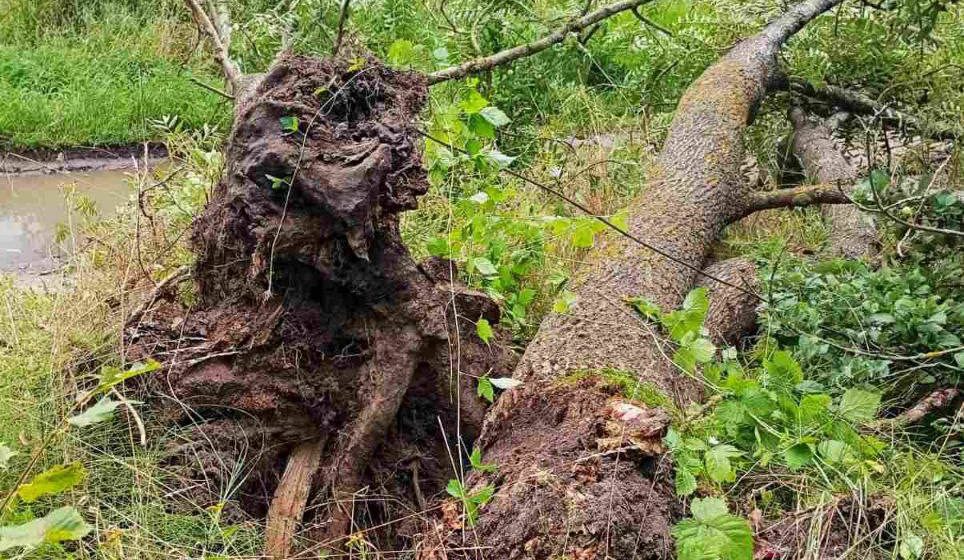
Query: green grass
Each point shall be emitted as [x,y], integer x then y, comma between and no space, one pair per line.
[102,83]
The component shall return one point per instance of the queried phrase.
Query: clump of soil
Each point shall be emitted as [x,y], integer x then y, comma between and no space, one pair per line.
[313,321]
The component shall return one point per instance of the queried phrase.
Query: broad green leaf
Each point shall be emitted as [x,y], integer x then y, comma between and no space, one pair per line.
[102,411]
[495,116]
[56,480]
[486,390]
[475,459]
[454,488]
[484,330]
[833,451]
[63,524]
[110,376]
[685,482]
[689,319]
[497,158]
[474,103]
[858,405]
[718,466]
[813,408]
[712,533]
[484,266]
[401,52]
[289,124]
[783,371]
[583,236]
[798,456]
[646,308]
[5,455]
[707,509]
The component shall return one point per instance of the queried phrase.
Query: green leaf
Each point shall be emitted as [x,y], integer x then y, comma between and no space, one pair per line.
[858,405]
[454,488]
[563,302]
[693,350]
[401,52]
[497,158]
[685,482]
[495,116]
[289,124]
[712,533]
[111,376]
[474,103]
[707,509]
[798,456]
[689,319]
[484,330]
[5,455]
[783,371]
[834,451]
[55,480]
[486,390]
[484,266]
[718,466]
[102,411]
[63,524]
[646,308]
[911,547]
[475,459]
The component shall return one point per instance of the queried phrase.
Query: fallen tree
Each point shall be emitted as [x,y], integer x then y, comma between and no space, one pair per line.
[316,336]
[852,232]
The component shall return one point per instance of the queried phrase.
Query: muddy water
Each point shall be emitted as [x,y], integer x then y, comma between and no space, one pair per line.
[32,206]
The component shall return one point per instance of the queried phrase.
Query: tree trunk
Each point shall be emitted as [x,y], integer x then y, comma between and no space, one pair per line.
[851,231]
[559,492]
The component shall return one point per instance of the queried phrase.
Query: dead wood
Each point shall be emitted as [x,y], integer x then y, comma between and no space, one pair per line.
[852,232]
[288,505]
[733,313]
[857,102]
[796,197]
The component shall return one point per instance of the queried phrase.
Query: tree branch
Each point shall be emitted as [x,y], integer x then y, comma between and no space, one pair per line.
[794,198]
[220,42]
[859,103]
[488,62]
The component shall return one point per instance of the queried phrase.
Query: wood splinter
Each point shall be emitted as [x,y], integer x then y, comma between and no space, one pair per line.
[288,504]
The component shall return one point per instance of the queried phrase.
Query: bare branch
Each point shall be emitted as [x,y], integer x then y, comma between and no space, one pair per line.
[794,198]
[884,209]
[859,103]
[220,42]
[937,400]
[646,21]
[288,504]
[521,51]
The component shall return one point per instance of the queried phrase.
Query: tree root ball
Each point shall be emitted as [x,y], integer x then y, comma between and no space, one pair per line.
[312,321]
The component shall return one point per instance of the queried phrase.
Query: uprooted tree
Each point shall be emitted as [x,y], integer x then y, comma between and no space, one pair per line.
[335,374]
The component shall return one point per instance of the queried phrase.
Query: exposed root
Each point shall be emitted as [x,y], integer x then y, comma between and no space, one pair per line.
[312,322]
[291,496]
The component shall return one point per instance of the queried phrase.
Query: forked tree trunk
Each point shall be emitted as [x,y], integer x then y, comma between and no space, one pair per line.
[560,491]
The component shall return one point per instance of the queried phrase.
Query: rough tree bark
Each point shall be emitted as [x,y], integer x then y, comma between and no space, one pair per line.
[852,233]
[557,494]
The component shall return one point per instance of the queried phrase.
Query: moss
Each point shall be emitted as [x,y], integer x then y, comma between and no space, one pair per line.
[630,386]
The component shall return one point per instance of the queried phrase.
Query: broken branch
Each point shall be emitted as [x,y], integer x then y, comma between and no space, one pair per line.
[221,43]
[794,198]
[288,505]
[502,57]
[857,102]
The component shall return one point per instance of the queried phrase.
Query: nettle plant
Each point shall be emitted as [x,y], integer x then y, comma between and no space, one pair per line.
[764,414]
[21,527]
